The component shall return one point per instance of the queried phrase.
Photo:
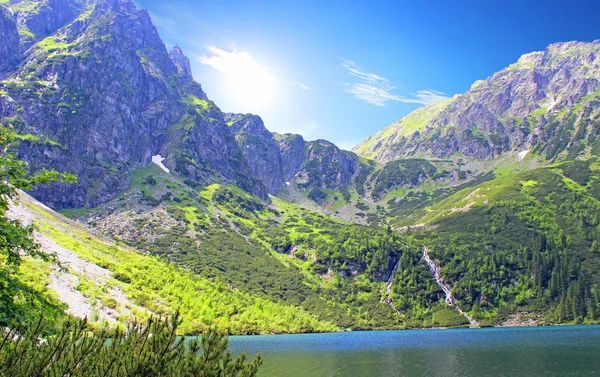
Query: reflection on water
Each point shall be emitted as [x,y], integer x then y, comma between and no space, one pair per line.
[547,351]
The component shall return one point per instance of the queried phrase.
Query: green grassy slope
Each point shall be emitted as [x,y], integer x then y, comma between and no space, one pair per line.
[161,287]
[526,242]
[332,269]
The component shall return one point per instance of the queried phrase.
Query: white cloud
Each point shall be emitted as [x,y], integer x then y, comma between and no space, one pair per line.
[377,90]
[235,64]
[430,96]
[299,85]
[248,81]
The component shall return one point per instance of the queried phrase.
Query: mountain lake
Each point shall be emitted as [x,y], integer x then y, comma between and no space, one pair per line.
[523,351]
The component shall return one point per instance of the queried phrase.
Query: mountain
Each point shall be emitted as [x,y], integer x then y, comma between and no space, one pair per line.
[495,189]
[546,103]
[102,95]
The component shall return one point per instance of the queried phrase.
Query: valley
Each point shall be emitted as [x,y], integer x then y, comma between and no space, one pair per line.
[466,212]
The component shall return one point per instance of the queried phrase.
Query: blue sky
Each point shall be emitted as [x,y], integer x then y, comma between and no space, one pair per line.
[343,70]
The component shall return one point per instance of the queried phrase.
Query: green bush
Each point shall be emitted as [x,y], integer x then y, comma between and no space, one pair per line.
[150,349]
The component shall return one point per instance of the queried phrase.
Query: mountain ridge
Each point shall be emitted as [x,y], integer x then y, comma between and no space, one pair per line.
[506,111]
[499,184]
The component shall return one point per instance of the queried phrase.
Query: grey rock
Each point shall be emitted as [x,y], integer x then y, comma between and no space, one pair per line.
[9,47]
[111,95]
[525,106]
[260,149]
[181,62]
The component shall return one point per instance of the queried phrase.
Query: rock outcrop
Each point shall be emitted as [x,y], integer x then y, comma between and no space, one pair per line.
[181,62]
[547,101]
[102,96]
[275,159]
[9,47]
[260,149]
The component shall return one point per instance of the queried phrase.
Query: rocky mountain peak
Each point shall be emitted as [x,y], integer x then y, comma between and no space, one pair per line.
[38,19]
[105,93]
[181,62]
[524,106]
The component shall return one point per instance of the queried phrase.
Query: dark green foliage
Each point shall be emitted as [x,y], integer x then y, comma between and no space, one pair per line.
[366,167]
[120,276]
[414,202]
[236,201]
[401,173]
[229,257]
[345,193]
[278,238]
[317,195]
[533,249]
[362,206]
[151,349]
[150,180]
[20,304]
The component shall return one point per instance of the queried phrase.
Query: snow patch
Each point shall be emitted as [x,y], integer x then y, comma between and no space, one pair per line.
[523,154]
[158,159]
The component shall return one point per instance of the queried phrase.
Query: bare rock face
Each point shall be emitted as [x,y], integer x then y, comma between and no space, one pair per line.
[260,149]
[37,20]
[316,163]
[101,96]
[532,104]
[181,62]
[293,152]
[9,47]
[276,159]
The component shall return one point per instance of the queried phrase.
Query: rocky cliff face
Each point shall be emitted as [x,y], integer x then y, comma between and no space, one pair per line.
[102,96]
[259,148]
[547,102]
[276,159]
[181,62]
[293,154]
[38,19]
[316,163]
[99,95]
[9,48]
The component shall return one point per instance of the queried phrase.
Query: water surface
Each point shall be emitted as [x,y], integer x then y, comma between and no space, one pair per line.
[532,351]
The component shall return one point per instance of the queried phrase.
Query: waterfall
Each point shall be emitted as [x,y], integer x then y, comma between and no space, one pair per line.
[437,275]
[388,289]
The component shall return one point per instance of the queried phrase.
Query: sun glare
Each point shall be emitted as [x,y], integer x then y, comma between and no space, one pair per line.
[247,81]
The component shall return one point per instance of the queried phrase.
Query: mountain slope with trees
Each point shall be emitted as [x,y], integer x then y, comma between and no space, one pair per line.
[257,232]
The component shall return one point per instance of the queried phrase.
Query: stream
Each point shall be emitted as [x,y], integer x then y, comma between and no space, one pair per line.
[437,275]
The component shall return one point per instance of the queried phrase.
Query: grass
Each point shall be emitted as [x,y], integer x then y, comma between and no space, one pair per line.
[76,213]
[163,287]
[38,140]
[193,100]
[50,44]
[26,33]
[85,15]
[31,7]
[408,125]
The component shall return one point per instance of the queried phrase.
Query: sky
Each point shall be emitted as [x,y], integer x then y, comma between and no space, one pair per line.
[343,70]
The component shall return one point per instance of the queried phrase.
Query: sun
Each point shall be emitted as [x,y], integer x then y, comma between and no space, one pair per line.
[248,82]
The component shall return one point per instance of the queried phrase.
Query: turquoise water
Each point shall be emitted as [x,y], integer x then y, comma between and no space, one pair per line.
[532,351]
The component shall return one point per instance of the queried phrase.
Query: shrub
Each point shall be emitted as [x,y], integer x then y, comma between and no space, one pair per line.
[150,349]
